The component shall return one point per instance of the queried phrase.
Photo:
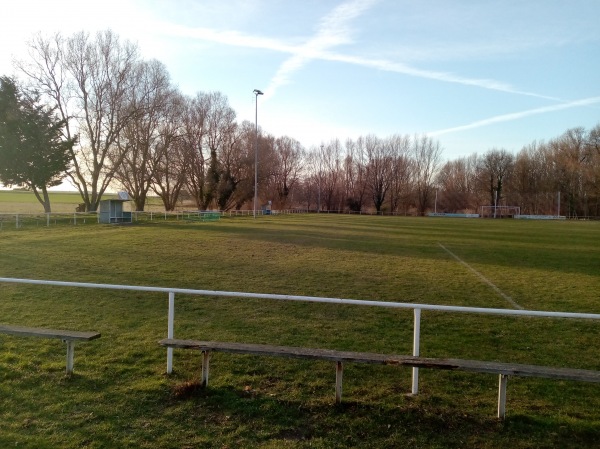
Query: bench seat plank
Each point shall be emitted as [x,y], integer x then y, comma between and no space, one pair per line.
[48,333]
[69,337]
[510,369]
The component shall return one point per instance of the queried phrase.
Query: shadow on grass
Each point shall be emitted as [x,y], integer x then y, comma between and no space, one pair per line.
[506,243]
[258,419]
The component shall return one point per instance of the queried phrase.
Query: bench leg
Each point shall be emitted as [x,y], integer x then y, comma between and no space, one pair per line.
[502,396]
[339,373]
[70,355]
[205,367]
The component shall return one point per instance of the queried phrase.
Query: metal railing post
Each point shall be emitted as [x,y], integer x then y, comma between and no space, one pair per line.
[170,333]
[416,347]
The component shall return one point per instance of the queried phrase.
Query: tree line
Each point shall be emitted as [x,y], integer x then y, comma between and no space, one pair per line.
[122,123]
[543,178]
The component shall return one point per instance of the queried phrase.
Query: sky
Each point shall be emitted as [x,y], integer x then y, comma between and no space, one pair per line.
[473,74]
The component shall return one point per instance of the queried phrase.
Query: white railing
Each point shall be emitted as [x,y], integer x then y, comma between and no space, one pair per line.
[25,220]
[21,220]
[417,308]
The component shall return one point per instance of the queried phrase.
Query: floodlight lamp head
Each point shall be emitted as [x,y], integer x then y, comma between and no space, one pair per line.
[257,92]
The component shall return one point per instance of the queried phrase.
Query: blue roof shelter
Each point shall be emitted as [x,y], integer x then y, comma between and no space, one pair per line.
[111,211]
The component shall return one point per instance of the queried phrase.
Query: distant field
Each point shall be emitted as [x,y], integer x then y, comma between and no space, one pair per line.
[23,202]
[120,397]
[17,201]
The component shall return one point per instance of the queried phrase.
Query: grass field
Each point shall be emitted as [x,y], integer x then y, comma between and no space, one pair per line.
[25,202]
[120,397]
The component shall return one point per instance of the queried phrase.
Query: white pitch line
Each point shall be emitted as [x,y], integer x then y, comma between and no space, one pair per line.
[483,278]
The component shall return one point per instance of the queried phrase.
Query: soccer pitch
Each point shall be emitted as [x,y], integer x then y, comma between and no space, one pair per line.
[120,396]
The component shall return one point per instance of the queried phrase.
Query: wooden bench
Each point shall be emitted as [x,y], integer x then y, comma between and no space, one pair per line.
[69,337]
[504,370]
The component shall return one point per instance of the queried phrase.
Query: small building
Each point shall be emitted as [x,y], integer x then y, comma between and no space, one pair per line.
[111,211]
[266,209]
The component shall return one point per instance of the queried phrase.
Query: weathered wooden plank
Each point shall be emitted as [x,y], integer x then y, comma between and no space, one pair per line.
[511,369]
[521,370]
[281,351]
[48,333]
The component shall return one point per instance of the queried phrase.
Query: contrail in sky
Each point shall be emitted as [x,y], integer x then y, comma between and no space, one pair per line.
[333,31]
[517,115]
[404,69]
[316,48]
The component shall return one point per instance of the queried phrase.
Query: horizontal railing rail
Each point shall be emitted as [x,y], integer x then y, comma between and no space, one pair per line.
[416,307]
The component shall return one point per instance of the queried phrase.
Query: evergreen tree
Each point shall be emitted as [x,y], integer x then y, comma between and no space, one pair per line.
[33,150]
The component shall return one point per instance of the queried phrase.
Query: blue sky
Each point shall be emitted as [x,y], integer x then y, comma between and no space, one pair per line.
[474,74]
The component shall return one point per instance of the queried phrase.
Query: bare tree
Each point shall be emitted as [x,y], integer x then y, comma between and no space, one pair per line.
[593,171]
[593,139]
[427,155]
[496,165]
[311,183]
[88,80]
[170,173]
[331,162]
[220,124]
[146,138]
[531,182]
[319,172]
[379,168]
[402,166]
[233,167]
[458,187]
[218,152]
[289,155]
[246,141]
[355,175]
[194,131]
[570,157]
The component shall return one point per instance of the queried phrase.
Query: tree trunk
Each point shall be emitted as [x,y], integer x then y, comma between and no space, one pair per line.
[43,198]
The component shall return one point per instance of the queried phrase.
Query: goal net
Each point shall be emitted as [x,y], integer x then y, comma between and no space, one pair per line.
[500,211]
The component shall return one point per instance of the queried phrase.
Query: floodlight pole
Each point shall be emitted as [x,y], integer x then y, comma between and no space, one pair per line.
[256,94]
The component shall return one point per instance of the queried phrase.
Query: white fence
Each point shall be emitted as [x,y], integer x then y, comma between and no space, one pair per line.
[417,308]
[21,221]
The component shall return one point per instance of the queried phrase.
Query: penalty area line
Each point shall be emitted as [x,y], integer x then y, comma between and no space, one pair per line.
[483,278]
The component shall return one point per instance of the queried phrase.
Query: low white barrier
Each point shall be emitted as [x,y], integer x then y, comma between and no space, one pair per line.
[541,217]
[417,308]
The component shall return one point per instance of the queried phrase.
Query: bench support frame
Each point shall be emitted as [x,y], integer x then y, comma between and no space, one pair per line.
[504,370]
[205,367]
[503,380]
[339,374]
[70,355]
[68,337]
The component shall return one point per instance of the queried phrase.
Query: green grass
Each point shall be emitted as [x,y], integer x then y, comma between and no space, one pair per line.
[120,397]
[20,201]
[25,202]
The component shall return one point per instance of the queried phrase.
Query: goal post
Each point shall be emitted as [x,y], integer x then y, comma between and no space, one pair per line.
[500,211]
